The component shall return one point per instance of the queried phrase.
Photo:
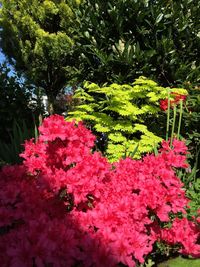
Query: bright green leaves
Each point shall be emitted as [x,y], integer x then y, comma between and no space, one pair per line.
[38,38]
[50,7]
[119,112]
[119,145]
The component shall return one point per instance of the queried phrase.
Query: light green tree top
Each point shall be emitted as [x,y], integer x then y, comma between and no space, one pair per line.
[37,38]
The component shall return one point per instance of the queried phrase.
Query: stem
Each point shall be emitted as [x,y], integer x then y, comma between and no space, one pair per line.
[196,163]
[168,114]
[180,118]
[173,125]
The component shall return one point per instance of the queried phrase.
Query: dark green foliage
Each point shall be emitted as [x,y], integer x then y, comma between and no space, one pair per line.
[123,39]
[19,112]
[9,151]
[16,102]
[191,122]
[193,192]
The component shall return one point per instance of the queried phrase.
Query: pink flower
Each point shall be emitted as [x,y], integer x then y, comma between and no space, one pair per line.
[186,233]
[66,205]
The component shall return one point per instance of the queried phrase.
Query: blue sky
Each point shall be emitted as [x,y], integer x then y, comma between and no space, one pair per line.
[2,58]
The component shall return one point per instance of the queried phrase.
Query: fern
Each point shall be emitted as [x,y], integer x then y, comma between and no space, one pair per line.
[120,111]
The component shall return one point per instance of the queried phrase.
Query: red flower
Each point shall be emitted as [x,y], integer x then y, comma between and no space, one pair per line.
[177,98]
[164,104]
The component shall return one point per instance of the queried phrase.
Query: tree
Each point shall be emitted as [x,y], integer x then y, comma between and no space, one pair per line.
[123,39]
[38,38]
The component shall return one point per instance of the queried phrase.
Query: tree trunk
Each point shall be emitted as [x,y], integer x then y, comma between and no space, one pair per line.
[51,101]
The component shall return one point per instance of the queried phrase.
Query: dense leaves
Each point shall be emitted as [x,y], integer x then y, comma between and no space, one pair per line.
[121,40]
[37,37]
[54,42]
[120,115]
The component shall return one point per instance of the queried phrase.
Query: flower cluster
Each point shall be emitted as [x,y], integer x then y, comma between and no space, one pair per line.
[66,205]
[176,100]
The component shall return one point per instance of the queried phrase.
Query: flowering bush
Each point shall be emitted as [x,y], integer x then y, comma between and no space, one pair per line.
[66,205]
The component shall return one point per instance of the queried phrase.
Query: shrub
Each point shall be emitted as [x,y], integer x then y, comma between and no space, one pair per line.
[124,114]
[66,205]
[123,39]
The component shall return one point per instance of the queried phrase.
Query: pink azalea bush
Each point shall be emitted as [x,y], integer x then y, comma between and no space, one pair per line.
[67,206]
